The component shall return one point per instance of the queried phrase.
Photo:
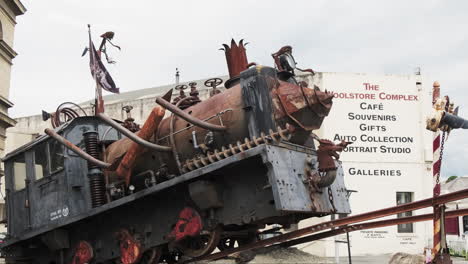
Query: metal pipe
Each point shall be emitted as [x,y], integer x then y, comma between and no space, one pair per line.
[195,121]
[131,135]
[76,149]
[374,224]
[442,199]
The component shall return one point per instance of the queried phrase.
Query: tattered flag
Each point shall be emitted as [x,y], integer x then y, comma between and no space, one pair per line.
[99,72]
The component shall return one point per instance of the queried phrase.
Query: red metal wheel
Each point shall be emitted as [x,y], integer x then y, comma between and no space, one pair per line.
[200,245]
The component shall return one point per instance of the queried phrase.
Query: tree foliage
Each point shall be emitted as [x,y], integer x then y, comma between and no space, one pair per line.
[451,178]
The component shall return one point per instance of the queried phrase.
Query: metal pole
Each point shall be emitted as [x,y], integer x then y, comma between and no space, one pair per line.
[349,249]
[435,176]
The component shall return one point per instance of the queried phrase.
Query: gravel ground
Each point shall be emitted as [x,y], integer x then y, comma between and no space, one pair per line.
[272,256]
[296,256]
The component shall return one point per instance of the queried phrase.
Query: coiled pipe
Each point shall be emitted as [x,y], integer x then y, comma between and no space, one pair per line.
[132,136]
[192,120]
[76,149]
[327,179]
[97,186]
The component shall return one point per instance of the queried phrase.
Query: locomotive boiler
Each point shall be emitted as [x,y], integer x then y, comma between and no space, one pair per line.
[198,175]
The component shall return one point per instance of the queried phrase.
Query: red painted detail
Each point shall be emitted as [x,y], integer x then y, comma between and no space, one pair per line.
[437,189]
[130,248]
[436,168]
[451,226]
[83,253]
[436,143]
[189,224]
[128,162]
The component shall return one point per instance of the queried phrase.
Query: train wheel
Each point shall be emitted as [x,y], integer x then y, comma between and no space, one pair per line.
[200,245]
[151,256]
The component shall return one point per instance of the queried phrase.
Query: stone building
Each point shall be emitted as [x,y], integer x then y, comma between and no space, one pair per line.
[9,10]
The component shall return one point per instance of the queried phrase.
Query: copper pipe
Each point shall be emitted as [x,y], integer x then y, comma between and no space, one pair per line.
[442,199]
[76,149]
[131,135]
[192,120]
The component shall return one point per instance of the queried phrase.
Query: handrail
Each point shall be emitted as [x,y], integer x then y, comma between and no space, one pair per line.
[193,120]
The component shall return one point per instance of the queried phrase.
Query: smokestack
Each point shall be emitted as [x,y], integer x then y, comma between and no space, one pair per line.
[177,76]
[236,58]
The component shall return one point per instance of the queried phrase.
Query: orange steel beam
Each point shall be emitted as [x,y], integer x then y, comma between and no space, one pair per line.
[368,225]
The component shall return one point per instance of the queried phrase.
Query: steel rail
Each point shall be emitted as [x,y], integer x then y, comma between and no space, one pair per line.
[442,199]
[76,149]
[368,225]
[193,120]
[133,136]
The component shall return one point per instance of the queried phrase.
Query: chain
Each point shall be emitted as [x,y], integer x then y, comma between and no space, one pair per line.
[440,156]
[330,197]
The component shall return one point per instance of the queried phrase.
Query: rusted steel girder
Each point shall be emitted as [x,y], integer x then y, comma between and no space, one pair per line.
[147,131]
[76,149]
[375,224]
[192,120]
[442,199]
[131,135]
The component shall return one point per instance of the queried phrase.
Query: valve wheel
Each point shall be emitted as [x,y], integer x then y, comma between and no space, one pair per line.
[213,82]
[181,87]
[200,245]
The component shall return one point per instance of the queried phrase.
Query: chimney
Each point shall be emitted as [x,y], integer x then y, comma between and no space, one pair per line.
[236,58]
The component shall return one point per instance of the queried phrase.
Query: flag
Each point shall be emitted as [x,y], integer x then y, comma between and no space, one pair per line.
[98,71]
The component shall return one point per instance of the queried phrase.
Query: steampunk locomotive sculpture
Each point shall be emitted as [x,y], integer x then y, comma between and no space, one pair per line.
[210,175]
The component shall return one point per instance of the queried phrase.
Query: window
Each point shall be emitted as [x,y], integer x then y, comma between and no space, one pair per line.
[48,159]
[19,172]
[56,156]
[40,161]
[465,224]
[402,198]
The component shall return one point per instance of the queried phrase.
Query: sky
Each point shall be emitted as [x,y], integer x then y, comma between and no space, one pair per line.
[392,37]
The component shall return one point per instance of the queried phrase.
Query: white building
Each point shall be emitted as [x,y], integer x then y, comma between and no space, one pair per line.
[390,159]
[457,228]
[388,163]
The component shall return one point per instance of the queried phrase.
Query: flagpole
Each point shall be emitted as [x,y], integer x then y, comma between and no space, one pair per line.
[98,102]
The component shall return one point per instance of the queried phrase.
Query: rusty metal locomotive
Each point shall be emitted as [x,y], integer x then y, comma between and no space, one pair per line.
[211,175]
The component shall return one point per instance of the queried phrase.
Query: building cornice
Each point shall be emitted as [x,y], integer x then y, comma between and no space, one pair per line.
[8,14]
[17,7]
[6,121]
[5,102]
[7,52]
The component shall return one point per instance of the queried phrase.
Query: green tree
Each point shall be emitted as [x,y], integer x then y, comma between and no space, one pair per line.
[451,178]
